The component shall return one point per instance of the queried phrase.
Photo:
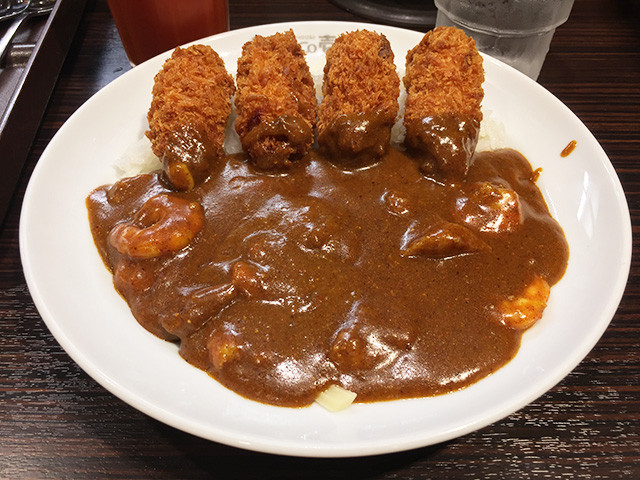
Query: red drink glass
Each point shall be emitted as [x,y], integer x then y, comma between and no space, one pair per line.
[150,27]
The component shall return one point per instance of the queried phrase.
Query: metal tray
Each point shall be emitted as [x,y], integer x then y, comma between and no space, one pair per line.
[28,74]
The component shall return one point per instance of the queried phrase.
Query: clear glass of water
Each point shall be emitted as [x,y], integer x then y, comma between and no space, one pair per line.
[517,32]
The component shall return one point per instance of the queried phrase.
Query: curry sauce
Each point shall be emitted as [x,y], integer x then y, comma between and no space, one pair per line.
[378,279]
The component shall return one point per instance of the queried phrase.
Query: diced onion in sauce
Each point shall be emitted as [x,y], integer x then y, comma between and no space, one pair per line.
[336,398]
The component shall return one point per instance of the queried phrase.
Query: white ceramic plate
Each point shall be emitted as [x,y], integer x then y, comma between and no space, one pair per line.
[74,293]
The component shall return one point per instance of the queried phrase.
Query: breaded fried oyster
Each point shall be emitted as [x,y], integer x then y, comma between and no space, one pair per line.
[276,101]
[188,113]
[360,102]
[444,77]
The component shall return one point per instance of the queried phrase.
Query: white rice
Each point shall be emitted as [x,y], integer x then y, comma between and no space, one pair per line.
[137,159]
[231,143]
[493,134]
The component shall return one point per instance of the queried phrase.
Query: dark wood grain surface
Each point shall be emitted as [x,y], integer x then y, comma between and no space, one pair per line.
[58,423]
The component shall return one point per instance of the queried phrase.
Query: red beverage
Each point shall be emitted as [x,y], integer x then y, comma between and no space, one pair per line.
[150,27]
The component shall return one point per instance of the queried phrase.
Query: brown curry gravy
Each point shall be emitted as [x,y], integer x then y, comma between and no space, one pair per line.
[298,280]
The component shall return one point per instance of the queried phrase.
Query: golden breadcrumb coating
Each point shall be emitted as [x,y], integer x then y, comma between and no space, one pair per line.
[359,76]
[193,88]
[444,74]
[275,92]
[360,102]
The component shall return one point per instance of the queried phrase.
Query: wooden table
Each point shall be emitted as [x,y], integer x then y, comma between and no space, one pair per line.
[58,423]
